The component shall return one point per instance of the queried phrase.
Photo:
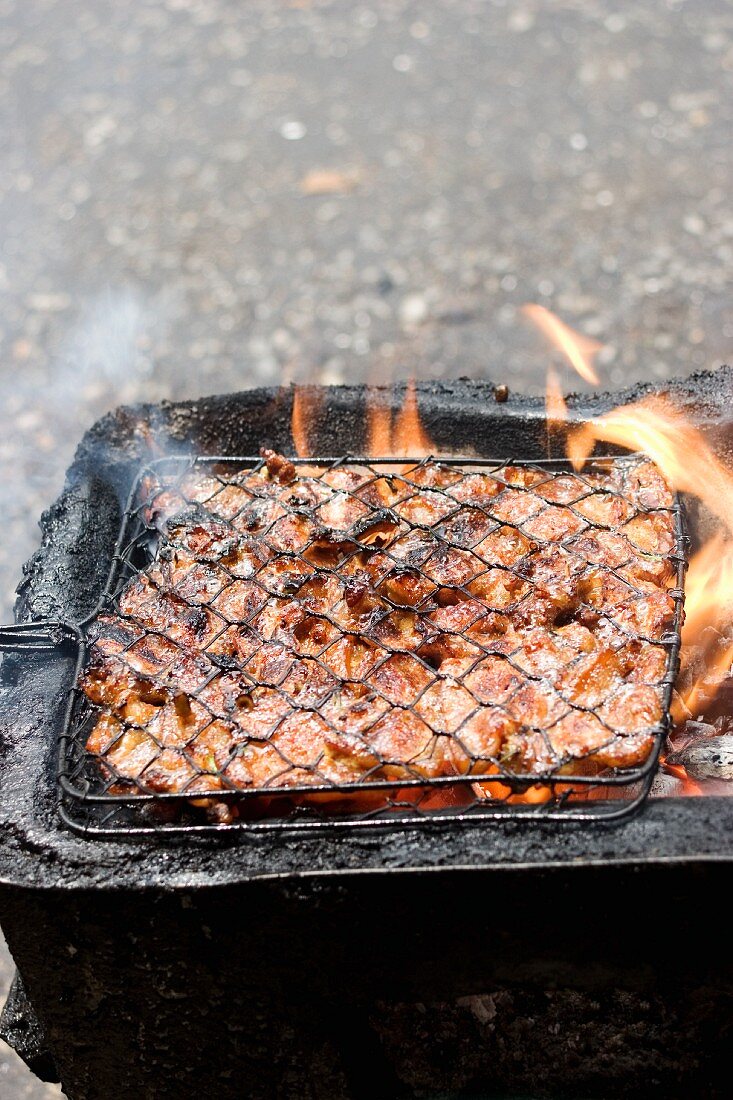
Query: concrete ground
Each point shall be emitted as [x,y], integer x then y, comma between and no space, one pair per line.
[203,195]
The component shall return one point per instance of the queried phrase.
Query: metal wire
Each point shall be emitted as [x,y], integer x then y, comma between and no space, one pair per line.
[348,642]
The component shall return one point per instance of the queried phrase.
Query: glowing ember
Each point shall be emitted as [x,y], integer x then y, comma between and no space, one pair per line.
[689,787]
[579,350]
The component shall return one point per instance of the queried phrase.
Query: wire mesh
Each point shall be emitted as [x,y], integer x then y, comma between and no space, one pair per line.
[322,642]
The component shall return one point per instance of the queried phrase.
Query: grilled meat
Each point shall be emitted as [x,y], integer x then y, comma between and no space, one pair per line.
[303,627]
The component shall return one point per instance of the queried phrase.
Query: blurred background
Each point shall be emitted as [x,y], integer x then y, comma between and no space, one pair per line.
[205,195]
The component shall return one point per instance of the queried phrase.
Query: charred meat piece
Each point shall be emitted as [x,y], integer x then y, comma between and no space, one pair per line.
[309,627]
[279,468]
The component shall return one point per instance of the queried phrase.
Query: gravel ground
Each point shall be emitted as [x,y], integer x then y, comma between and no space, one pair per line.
[200,195]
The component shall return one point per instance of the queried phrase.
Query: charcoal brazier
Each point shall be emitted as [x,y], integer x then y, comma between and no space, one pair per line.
[255,965]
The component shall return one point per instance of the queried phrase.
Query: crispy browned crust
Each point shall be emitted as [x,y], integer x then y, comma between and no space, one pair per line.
[309,627]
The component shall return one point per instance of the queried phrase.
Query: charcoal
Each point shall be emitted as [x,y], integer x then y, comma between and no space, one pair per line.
[665,785]
[707,757]
[694,731]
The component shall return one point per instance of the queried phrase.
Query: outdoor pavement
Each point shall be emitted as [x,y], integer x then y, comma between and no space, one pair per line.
[204,195]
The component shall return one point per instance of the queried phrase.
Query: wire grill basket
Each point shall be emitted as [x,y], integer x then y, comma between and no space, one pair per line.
[346,642]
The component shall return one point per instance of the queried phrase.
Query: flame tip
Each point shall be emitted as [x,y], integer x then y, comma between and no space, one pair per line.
[578,349]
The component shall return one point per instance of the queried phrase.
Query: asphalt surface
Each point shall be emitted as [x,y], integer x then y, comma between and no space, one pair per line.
[201,195]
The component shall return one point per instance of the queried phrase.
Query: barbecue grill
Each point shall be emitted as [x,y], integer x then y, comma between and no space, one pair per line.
[88,785]
[254,959]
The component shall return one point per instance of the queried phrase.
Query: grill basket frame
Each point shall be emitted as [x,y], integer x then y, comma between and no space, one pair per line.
[99,813]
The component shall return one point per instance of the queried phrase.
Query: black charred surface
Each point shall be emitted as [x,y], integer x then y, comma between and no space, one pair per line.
[20,1029]
[561,1043]
[248,961]
[78,541]
[277,988]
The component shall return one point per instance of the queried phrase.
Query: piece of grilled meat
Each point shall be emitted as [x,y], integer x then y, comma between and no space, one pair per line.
[304,626]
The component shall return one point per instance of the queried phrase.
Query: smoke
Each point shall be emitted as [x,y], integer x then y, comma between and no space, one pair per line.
[102,354]
[104,357]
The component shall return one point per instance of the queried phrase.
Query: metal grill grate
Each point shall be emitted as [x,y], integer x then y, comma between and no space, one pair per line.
[349,641]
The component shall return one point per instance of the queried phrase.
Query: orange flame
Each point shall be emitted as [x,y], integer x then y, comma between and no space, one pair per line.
[379,426]
[709,587]
[657,428]
[689,465]
[408,436]
[402,435]
[307,403]
[689,786]
[708,603]
[578,350]
[707,685]
[387,435]
[556,410]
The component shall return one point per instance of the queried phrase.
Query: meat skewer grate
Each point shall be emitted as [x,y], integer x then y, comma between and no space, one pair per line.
[319,642]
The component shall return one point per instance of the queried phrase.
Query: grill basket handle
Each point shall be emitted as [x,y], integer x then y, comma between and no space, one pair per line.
[38,637]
